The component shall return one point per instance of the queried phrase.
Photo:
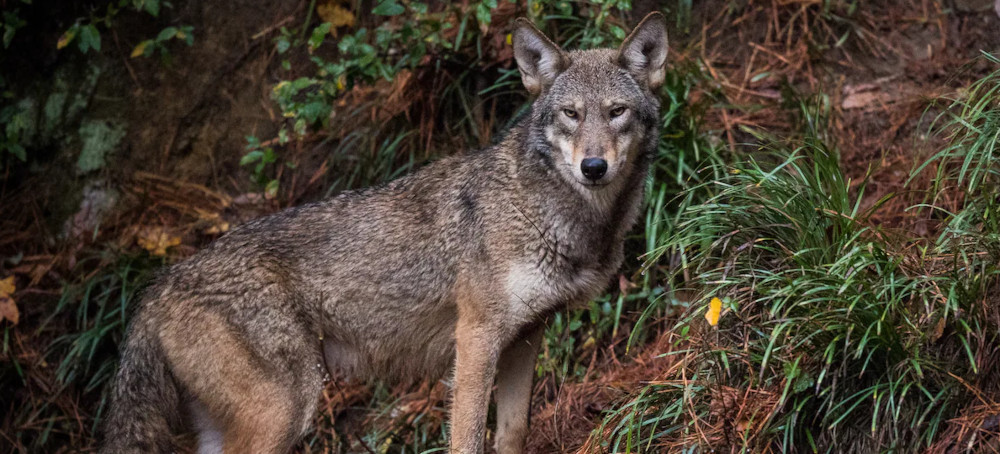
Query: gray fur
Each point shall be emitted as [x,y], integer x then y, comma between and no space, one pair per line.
[473,251]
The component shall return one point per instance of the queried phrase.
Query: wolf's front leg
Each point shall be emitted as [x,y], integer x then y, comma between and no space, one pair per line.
[477,350]
[514,374]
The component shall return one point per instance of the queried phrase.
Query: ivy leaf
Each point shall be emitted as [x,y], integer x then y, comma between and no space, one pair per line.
[388,8]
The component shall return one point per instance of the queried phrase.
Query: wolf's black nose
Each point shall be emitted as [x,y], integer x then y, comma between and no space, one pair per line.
[594,168]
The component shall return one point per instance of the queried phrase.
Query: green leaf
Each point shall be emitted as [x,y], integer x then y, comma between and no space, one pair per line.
[11,23]
[269,156]
[318,35]
[388,8]
[18,150]
[483,14]
[418,7]
[90,38]
[166,34]
[617,32]
[8,35]
[150,6]
[283,44]
[251,157]
[187,34]
[272,188]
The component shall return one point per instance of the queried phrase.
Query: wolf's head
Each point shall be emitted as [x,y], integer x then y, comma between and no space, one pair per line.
[595,111]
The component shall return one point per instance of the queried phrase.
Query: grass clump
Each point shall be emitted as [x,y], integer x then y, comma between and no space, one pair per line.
[60,393]
[835,335]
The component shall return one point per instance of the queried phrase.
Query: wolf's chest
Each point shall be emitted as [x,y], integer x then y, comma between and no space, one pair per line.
[555,275]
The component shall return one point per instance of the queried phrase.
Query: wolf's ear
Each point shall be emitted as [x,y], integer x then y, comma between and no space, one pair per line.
[538,58]
[644,52]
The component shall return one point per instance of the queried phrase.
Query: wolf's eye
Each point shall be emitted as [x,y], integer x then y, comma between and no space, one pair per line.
[569,113]
[617,111]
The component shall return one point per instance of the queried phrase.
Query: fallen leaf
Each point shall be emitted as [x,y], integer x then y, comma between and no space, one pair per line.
[156,240]
[624,284]
[217,228]
[8,309]
[866,99]
[714,311]
[336,15]
[938,329]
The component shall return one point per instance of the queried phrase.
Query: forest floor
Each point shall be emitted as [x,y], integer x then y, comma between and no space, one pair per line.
[172,182]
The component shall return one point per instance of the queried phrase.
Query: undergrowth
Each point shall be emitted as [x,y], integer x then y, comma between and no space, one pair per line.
[834,335]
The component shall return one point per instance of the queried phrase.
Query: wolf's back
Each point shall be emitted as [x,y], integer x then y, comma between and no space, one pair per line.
[144,402]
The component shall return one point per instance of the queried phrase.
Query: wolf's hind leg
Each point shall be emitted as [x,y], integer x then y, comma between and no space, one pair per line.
[257,396]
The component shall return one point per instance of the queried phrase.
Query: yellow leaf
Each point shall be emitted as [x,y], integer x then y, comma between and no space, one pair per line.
[7,286]
[714,311]
[140,49]
[510,39]
[156,240]
[66,38]
[8,309]
[336,15]
[220,227]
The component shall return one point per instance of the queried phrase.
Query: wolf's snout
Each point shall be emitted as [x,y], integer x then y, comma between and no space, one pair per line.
[594,168]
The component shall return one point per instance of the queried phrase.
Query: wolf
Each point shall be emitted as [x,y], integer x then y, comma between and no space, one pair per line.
[453,267]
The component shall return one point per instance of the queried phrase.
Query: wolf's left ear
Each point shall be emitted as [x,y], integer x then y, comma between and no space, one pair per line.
[538,58]
[644,52]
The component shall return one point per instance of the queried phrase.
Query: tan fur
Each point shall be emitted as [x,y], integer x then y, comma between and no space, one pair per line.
[454,267]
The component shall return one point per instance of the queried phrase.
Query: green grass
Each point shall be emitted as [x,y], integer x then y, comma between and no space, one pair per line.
[836,336]
[66,387]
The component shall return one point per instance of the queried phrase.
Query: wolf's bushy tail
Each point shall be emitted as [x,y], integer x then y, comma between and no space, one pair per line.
[144,402]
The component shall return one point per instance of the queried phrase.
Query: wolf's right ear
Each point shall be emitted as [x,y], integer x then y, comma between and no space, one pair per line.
[538,58]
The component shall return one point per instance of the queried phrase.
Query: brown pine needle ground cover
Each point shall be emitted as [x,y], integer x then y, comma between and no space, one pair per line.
[869,72]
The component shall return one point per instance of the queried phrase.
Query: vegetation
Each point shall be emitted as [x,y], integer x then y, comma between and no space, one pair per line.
[789,293]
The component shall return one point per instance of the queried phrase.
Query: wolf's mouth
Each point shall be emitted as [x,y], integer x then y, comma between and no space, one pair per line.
[594,184]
